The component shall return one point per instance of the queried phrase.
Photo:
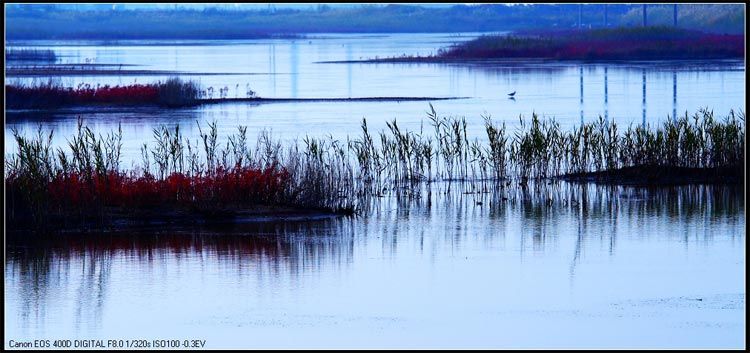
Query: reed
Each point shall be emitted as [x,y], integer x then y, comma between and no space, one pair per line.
[539,148]
[325,173]
[85,182]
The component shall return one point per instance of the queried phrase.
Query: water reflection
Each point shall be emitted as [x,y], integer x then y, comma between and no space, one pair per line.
[81,265]
[272,66]
[643,104]
[674,95]
[349,56]
[294,68]
[580,70]
[606,95]
[562,225]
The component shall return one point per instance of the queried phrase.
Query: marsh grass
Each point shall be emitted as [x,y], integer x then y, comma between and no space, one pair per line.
[328,174]
[539,148]
[85,182]
[174,92]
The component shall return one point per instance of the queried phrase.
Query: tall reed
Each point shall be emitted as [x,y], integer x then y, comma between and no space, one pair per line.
[326,173]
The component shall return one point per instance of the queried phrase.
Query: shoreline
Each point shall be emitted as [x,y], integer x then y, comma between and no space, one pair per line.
[527,60]
[169,218]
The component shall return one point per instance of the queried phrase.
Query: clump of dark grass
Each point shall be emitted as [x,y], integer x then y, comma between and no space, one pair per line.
[175,92]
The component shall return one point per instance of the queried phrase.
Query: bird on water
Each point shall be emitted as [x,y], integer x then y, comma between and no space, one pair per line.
[512,93]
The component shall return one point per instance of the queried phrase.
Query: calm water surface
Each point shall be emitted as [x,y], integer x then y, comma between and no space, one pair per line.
[570,92]
[616,267]
[594,267]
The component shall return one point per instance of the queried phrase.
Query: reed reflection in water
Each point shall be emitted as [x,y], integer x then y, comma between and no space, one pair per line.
[502,250]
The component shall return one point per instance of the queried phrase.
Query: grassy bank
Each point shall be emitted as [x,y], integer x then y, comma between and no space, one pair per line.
[184,180]
[173,92]
[178,179]
[634,43]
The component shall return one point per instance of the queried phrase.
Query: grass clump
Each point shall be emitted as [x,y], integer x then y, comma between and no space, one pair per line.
[173,92]
[84,183]
[540,149]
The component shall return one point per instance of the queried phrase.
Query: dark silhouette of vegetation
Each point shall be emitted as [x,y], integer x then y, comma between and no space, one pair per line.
[636,43]
[633,43]
[27,54]
[540,149]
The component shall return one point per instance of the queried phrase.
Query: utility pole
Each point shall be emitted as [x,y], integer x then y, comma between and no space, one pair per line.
[644,16]
[580,15]
[606,24]
[674,14]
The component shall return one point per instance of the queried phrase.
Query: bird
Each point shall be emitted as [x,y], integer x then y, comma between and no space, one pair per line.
[512,93]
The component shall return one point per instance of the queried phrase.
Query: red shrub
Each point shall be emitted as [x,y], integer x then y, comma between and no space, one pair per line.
[238,186]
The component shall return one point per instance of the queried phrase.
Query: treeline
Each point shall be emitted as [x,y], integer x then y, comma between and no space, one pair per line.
[39,21]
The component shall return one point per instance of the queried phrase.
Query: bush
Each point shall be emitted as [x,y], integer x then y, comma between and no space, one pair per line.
[177,93]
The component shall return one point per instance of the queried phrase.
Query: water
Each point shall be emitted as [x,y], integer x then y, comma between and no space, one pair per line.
[593,267]
[569,92]
[619,267]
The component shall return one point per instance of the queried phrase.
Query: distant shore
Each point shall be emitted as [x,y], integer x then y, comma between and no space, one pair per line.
[655,175]
[92,71]
[624,44]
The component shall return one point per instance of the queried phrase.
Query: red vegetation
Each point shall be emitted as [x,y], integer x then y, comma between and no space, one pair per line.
[116,94]
[173,92]
[239,186]
[74,196]
[53,95]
